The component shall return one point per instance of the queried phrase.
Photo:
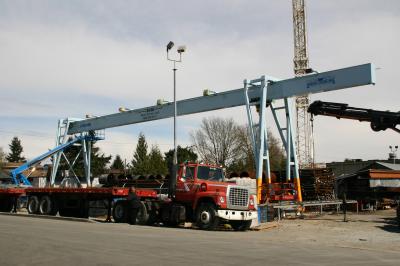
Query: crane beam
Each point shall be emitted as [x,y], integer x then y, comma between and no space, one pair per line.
[277,89]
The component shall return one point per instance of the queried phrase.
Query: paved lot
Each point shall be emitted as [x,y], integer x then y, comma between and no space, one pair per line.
[33,241]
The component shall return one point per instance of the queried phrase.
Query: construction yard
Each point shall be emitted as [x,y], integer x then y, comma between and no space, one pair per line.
[199,132]
[366,239]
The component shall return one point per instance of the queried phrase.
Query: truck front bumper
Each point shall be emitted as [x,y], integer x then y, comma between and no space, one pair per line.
[237,215]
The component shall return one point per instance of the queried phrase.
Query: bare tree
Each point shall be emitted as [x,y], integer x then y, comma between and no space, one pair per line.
[222,141]
[217,141]
[247,161]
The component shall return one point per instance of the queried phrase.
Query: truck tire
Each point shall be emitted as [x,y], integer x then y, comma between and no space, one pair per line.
[142,216]
[47,206]
[119,212]
[33,205]
[206,217]
[241,225]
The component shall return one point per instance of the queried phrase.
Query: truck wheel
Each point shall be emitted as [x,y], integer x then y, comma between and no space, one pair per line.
[142,216]
[33,205]
[47,206]
[206,217]
[241,225]
[119,212]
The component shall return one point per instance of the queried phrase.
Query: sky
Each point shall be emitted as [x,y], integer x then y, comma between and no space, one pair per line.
[63,59]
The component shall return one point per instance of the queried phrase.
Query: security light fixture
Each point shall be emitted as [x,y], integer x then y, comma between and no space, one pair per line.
[169,46]
[161,102]
[123,109]
[181,49]
[208,92]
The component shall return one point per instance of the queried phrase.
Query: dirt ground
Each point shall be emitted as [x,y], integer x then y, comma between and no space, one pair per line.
[377,230]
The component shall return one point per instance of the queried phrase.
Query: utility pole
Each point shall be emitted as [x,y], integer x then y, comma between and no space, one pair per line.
[304,138]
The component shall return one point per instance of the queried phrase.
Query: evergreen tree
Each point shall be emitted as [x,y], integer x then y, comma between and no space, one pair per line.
[157,164]
[15,155]
[140,161]
[184,154]
[118,163]
[99,161]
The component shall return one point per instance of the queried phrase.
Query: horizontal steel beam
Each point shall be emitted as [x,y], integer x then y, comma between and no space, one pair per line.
[314,83]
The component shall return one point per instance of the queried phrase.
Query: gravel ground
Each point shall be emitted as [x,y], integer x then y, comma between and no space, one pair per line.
[378,230]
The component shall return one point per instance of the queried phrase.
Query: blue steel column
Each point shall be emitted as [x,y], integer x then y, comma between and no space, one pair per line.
[86,161]
[288,140]
[250,119]
[62,124]
[89,159]
[261,147]
[292,148]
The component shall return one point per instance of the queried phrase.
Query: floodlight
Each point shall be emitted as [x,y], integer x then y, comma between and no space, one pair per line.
[181,49]
[161,102]
[123,109]
[170,45]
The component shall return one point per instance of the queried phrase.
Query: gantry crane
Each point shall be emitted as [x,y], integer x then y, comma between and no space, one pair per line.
[263,93]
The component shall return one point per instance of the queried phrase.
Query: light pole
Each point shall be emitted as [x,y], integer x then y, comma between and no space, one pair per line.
[393,153]
[172,183]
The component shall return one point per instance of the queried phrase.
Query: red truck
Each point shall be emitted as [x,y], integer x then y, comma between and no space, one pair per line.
[201,197]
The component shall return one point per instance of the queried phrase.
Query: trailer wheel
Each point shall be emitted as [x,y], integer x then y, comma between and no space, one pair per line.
[33,205]
[48,206]
[119,212]
[241,225]
[206,217]
[142,216]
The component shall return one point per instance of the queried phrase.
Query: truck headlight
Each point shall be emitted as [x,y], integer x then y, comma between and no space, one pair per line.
[222,199]
[251,201]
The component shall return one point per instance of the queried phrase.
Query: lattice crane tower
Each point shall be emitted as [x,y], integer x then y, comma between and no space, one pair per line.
[304,139]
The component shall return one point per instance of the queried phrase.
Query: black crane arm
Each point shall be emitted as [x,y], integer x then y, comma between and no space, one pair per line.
[380,120]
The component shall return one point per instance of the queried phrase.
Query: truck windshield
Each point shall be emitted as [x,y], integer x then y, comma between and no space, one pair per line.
[210,173]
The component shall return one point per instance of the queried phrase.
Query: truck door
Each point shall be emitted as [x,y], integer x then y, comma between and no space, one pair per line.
[185,186]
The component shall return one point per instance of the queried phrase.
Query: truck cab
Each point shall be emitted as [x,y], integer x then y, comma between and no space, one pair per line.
[210,200]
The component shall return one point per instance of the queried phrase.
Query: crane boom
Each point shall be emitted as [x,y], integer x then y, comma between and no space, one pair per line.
[380,120]
[319,82]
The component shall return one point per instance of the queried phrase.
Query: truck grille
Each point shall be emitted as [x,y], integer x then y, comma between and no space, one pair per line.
[238,198]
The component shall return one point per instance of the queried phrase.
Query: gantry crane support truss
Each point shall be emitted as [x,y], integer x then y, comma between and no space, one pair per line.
[259,92]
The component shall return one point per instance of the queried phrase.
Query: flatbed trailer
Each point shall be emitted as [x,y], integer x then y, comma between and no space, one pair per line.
[74,202]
